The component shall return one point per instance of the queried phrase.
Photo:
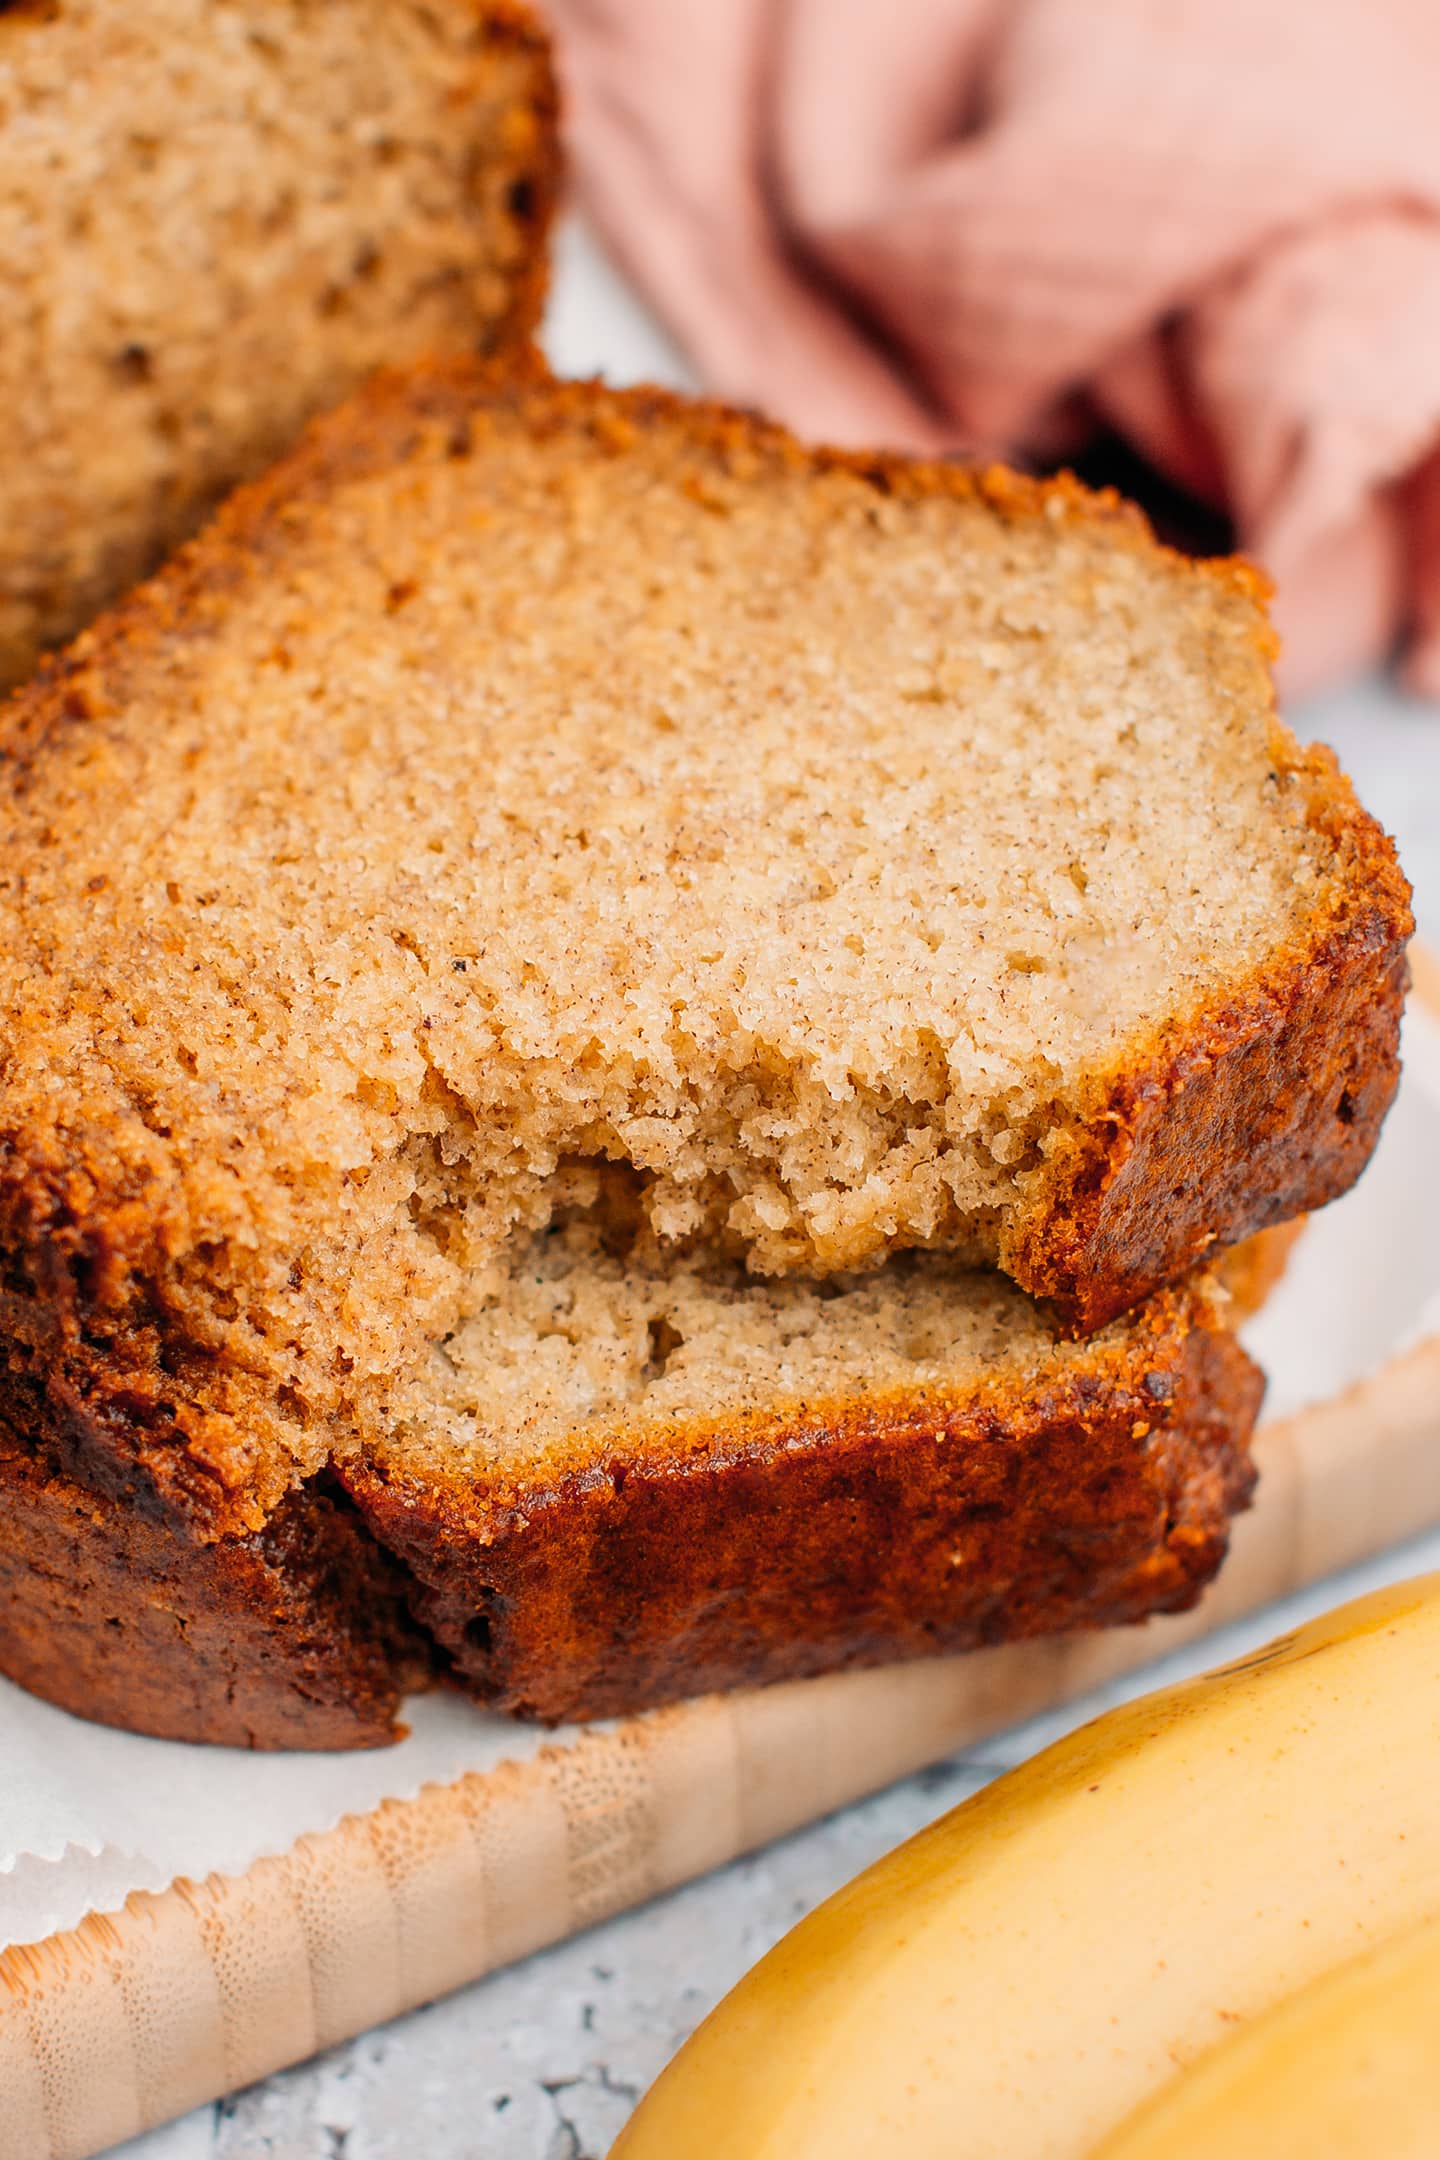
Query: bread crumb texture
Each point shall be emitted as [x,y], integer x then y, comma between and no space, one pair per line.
[218,216]
[515,927]
[599,1339]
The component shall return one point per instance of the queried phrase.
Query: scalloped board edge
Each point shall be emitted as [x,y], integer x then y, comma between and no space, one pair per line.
[116,2026]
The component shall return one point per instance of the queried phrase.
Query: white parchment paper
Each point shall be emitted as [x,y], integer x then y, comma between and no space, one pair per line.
[87,1815]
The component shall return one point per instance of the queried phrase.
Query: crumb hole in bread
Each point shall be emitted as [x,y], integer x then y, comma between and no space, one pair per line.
[664,1339]
[134,364]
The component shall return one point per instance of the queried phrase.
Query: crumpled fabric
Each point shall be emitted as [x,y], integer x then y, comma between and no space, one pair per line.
[998,226]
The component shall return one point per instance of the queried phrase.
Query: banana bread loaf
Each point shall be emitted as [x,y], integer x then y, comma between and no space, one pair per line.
[217,219]
[537,812]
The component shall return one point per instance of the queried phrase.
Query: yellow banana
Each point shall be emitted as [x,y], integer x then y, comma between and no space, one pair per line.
[1015,1980]
[1348,2069]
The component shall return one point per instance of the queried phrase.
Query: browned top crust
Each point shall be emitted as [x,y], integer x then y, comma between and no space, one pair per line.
[141,1231]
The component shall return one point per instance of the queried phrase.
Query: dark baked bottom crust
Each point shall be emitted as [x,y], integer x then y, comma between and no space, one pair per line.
[732,1558]
[295,1637]
[906,1528]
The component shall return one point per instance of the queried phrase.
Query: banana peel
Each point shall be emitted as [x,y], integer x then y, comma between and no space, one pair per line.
[1348,2069]
[1015,1981]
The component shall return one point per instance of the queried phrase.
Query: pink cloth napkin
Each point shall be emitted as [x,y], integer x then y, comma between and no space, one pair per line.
[997,225]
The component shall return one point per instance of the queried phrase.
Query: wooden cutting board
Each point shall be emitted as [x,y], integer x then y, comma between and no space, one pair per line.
[184,1995]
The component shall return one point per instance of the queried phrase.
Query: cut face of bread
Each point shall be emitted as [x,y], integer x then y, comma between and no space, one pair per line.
[529,777]
[217,218]
[586,1336]
[589,1351]
[544,814]
[623,1481]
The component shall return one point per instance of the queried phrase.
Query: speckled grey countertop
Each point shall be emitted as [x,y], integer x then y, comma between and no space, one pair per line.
[544,2062]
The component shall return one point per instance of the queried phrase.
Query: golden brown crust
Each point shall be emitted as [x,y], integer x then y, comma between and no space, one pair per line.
[1265,1108]
[402,413]
[535,197]
[94,1372]
[841,1535]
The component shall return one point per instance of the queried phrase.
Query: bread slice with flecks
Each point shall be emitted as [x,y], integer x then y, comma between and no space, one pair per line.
[217,219]
[620,1482]
[540,812]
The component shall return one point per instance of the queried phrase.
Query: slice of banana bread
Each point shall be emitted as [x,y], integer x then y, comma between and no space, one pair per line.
[217,218]
[622,1480]
[625,1481]
[534,798]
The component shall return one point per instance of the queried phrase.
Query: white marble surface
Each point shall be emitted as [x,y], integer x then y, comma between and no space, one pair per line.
[544,2062]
